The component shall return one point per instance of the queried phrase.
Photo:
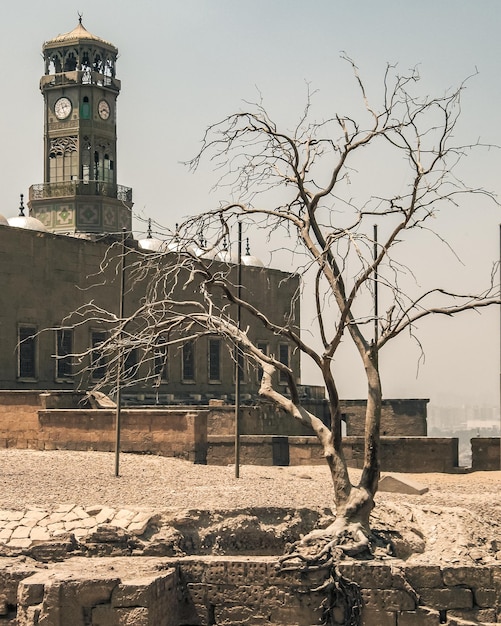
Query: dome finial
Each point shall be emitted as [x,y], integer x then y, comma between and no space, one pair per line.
[148,236]
[21,206]
[247,247]
[80,16]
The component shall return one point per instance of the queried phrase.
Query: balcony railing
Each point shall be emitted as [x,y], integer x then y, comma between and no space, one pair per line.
[69,188]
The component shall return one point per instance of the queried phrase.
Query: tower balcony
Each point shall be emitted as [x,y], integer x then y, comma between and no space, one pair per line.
[71,188]
[79,77]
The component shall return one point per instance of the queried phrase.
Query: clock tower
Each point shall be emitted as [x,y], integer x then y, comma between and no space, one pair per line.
[80,193]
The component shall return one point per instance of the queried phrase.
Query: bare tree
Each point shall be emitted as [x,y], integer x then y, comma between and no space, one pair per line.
[297,187]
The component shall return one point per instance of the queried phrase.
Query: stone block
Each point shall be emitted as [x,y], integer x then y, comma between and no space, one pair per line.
[105,515]
[30,593]
[469,576]
[398,484]
[371,617]
[387,600]
[104,615]
[368,575]
[39,534]
[419,617]
[445,599]
[475,616]
[420,576]
[197,593]
[485,598]
[141,592]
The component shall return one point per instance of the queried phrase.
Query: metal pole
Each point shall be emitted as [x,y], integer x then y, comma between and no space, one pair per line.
[120,357]
[376,289]
[237,357]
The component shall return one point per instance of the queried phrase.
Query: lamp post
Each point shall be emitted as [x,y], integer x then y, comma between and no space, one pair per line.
[237,357]
[120,363]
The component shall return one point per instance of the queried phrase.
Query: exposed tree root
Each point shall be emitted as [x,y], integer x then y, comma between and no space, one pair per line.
[348,535]
[343,600]
[321,546]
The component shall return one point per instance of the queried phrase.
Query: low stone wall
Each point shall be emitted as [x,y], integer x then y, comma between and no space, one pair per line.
[177,433]
[399,417]
[263,419]
[398,454]
[19,419]
[240,591]
[485,453]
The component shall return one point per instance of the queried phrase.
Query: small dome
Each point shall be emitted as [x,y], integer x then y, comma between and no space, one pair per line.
[3,220]
[150,243]
[28,223]
[248,259]
[227,256]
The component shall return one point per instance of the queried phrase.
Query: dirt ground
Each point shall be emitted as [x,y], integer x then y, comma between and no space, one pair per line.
[457,520]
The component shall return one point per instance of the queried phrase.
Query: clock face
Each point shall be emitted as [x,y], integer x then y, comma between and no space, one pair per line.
[103,108]
[62,108]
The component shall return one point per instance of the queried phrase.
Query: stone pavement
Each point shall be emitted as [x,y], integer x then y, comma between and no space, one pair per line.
[27,527]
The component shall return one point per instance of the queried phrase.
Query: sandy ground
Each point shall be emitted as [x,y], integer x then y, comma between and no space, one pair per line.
[458,518]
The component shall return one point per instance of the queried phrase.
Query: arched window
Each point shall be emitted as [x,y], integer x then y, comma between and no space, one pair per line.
[63,157]
[85,109]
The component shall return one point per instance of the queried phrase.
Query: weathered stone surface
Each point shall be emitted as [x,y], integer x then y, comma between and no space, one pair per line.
[469,576]
[398,484]
[30,591]
[419,617]
[453,598]
[423,576]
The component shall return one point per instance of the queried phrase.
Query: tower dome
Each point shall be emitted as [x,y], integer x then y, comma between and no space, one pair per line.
[3,220]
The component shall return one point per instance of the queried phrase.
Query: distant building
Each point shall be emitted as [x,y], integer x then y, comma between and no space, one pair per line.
[51,257]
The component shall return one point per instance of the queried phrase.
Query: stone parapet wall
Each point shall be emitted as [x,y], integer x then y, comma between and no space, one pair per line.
[263,419]
[240,591]
[399,417]
[177,433]
[485,453]
[19,419]
[398,454]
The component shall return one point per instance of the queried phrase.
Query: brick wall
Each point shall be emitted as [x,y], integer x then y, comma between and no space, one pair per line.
[485,453]
[19,419]
[399,417]
[178,433]
[398,454]
[240,591]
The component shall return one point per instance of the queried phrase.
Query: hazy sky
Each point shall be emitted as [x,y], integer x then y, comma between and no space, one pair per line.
[187,63]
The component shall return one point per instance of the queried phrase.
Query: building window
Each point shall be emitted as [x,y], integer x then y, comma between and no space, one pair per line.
[283,357]
[26,351]
[263,347]
[240,359]
[131,365]
[63,159]
[98,361]
[64,349]
[161,361]
[188,357]
[85,110]
[214,360]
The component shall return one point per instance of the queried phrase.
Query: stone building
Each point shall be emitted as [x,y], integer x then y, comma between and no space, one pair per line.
[50,258]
